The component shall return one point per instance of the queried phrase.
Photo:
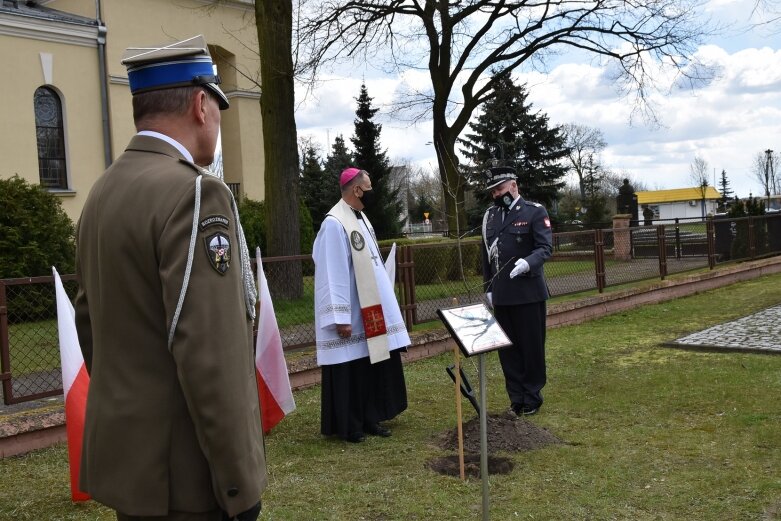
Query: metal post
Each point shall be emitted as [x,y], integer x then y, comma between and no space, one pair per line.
[483,437]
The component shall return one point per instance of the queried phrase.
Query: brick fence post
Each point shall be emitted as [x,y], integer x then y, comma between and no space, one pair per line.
[622,237]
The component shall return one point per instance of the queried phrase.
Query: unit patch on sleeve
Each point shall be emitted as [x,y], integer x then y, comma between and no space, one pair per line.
[218,249]
[214,220]
[547,222]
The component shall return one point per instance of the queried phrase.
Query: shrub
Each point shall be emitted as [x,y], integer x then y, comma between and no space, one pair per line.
[35,232]
[253,221]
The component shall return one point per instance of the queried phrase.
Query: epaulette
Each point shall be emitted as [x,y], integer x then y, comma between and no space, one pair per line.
[193,166]
[530,203]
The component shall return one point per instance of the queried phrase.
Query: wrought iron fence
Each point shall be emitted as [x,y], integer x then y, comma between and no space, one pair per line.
[429,277]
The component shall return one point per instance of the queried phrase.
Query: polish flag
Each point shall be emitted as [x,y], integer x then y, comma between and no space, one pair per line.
[276,396]
[75,382]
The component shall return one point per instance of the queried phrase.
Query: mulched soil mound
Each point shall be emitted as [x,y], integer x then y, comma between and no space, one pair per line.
[506,433]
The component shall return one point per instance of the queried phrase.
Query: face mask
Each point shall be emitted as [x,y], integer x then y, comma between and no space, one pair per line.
[368,198]
[504,200]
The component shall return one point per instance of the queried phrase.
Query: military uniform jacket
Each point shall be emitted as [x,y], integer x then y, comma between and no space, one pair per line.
[174,429]
[525,233]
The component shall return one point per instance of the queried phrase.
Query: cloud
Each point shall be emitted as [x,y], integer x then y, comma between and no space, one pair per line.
[726,120]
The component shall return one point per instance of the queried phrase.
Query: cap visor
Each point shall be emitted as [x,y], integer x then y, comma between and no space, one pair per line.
[222,99]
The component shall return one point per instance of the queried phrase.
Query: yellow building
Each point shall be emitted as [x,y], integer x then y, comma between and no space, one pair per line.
[680,203]
[66,104]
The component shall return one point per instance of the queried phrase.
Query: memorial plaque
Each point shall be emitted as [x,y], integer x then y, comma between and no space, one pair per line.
[474,329]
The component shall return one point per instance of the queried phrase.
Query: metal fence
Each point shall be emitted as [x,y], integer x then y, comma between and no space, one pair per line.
[429,276]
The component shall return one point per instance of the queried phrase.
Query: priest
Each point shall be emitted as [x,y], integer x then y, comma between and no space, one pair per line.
[359,330]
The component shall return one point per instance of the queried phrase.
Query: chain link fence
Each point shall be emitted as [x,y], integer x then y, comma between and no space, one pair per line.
[429,277]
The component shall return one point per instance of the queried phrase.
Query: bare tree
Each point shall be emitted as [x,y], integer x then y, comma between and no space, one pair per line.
[582,142]
[460,43]
[765,169]
[698,174]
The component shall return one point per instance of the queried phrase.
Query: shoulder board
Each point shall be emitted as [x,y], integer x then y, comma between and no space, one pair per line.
[533,204]
[193,166]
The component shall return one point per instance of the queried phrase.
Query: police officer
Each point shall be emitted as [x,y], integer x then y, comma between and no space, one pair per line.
[517,240]
[165,309]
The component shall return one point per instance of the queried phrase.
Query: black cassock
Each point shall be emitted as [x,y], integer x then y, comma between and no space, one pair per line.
[356,394]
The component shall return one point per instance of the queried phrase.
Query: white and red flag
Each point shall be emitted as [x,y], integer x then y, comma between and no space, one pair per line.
[276,396]
[75,382]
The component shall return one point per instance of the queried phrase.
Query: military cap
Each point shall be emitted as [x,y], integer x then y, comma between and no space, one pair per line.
[497,175]
[178,64]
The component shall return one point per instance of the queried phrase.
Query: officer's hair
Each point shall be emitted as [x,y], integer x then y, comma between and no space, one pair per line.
[352,182]
[172,102]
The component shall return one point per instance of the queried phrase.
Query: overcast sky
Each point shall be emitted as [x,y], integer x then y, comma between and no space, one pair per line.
[727,122]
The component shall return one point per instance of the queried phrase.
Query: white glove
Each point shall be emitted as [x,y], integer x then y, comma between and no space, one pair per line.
[521,267]
[490,298]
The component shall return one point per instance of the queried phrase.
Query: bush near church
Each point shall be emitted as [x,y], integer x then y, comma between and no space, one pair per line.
[35,234]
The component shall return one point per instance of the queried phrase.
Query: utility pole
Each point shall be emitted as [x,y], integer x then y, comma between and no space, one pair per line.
[768,176]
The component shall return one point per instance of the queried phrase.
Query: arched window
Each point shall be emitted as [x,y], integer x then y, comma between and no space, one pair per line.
[51,138]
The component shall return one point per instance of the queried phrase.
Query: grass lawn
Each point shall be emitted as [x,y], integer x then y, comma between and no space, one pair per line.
[652,433]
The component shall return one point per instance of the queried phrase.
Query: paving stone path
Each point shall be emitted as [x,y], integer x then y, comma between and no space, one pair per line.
[758,332]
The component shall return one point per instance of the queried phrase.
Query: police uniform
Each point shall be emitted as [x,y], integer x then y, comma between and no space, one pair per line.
[164,315]
[523,231]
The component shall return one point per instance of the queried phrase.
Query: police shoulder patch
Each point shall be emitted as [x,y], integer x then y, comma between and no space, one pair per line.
[218,250]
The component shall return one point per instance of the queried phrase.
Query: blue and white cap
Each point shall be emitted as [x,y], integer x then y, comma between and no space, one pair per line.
[179,64]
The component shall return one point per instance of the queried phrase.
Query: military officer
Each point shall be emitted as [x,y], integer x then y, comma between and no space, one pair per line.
[165,309]
[517,240]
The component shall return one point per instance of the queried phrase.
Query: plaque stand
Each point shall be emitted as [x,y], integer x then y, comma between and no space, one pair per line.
[475,332]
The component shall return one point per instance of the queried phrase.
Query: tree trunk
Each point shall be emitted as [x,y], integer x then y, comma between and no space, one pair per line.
[274,20]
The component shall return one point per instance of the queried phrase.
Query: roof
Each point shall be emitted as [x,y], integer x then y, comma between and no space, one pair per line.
[676,194]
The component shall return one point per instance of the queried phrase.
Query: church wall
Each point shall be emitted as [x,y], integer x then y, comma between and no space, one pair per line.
[71,70]
[229,28]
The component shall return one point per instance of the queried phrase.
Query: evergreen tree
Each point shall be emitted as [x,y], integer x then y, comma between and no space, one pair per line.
[596,201]
[339,159]
[385,214]
[527,142]
[318,191]
[726,192]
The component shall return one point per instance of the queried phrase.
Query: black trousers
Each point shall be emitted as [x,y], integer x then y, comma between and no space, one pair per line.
[523,363]
[358,393]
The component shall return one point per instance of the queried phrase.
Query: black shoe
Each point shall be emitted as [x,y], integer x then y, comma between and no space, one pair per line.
[524,410]
[375,429]
[355,437]
[527,410]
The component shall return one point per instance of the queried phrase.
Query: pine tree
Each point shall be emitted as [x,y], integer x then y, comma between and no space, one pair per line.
[726,192]
[339,159]
[527,142]
[385,213]
[317,190]
[596,201]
